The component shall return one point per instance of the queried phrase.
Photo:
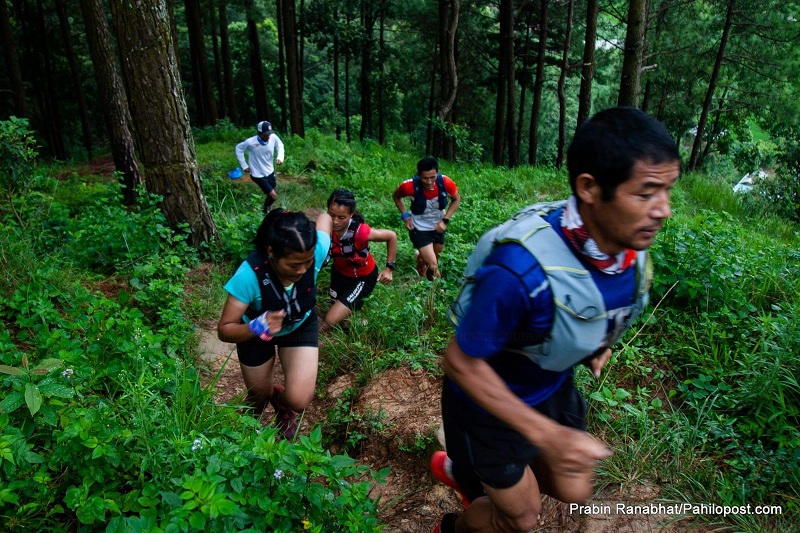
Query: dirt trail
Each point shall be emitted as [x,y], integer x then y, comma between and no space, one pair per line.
[412,500]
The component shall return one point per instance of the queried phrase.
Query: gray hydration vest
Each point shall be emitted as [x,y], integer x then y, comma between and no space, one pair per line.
[580,325]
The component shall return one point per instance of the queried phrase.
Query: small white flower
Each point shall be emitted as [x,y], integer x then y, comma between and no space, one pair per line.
[67,373]
[278,474]
[197,445]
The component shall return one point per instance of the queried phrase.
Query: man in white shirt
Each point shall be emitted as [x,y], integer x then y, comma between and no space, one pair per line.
[262,148]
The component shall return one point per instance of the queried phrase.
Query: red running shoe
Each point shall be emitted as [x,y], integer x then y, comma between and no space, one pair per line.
[285,418]
[441,466]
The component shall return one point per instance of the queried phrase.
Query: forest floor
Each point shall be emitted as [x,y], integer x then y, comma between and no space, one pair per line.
[412,500]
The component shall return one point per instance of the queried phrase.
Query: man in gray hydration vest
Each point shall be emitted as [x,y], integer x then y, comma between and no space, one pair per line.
[553,287]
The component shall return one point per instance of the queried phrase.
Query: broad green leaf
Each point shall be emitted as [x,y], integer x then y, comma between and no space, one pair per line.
[49,364]
[33,398]
[12,402]
[57,390]
[5,369]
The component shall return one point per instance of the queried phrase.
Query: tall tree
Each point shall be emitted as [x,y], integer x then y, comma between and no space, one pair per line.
[368,20]
[220,84]
[448,26]
[159,111]
[225,51]
[587,67]
[381,73]
[538,84]
[112,95]
[40,62]
[562,97]
[293,68]
[336,81]
[256,66]
[504,113]
[74,69]
[631,79]
[201,74]
[712,86]
[284,119]
[11,56]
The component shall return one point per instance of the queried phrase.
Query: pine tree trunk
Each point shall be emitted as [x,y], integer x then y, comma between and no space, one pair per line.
[509,62]
[293,68]
[365,81]
[220,86]
[336,80]
[256,67]
[538,84]
[159,111]
[712,86]
[281,67]
[112,95]
[587,70]
[630,83]
[201,74]
[562,98]
[381,74]
[225,50]
[83,110]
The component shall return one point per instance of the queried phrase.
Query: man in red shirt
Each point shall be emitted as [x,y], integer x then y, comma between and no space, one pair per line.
[429,212]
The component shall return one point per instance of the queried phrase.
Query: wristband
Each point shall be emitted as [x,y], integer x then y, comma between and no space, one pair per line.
[405,215]
[446,221]
[260,327]
[391,265]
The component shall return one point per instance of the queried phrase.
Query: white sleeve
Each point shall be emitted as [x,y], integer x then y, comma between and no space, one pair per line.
[241,148]
[280,148]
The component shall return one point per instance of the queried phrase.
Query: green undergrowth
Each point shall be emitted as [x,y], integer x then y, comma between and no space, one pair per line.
[104,424]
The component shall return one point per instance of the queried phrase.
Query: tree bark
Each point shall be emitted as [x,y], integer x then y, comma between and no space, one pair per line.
[220,85]
[365,78]
[381,74]
[507,20]
[281,67]
[336,80]
[562,98]
[631,80]
[538,84]
[712,86]
[112,95]
[225,50]
[201,74]
[11,56]
[158,108]
[74,70]
[42,71]
[587,68]
[293,68]
[448,26]
[256,67]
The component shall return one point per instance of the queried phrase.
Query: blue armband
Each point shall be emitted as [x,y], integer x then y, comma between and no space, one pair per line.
[405,215]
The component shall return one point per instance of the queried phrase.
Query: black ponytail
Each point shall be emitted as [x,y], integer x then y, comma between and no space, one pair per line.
[346,199]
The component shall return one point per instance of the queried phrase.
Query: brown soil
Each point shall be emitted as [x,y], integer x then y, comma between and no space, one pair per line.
[412,500]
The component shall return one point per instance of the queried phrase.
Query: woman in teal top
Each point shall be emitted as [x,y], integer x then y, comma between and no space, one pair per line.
[270,306]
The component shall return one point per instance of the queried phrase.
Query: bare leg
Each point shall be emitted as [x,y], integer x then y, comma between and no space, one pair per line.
[258,380]
[300,375]
[515,509]
[337,313]
[431,259]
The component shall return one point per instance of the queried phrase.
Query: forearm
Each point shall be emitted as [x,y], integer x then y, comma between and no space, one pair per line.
[232,332]
[391,249]
[451,208]
[398,201]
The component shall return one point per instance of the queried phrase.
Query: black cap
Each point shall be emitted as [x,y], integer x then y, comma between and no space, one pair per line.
[264,127]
